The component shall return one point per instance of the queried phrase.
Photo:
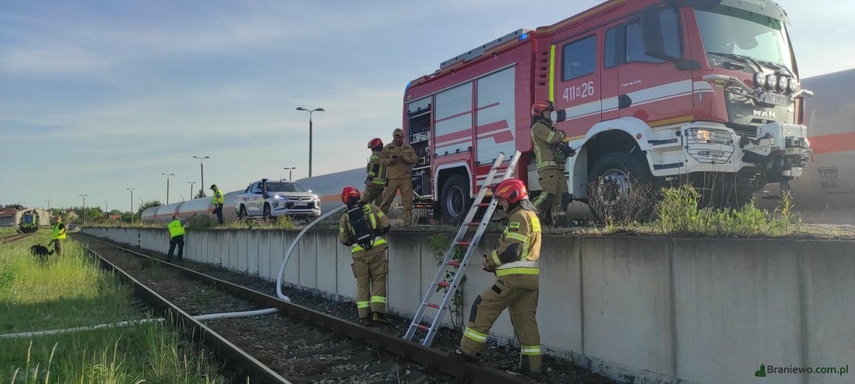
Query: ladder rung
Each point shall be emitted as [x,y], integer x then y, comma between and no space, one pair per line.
[432,305]
[454,263]
[483,204]
[443,284]
[464,243]
[425,327]
[474,224]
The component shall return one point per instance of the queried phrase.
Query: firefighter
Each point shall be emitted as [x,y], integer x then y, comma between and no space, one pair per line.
[218,202]
[515,264]
[551,152]
[176,237]
[58,236]
[399,157]
[375,182]
[361,227]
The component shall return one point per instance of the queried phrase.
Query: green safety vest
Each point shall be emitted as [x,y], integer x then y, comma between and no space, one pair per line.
[175,228]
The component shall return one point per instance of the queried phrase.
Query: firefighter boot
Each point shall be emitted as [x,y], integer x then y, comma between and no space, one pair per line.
[381,318]
[365,322]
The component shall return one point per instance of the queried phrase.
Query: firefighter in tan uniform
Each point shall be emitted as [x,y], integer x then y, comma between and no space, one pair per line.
[375,182]
[361,228]
[551,152]
[515,264]
[399,157]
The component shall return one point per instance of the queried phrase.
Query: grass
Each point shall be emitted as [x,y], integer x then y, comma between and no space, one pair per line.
[71,291]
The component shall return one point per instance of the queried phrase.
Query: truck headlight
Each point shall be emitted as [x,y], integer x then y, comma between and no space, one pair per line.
[771,80]
[792,85]
[709,136]
[782,84]
[759,80]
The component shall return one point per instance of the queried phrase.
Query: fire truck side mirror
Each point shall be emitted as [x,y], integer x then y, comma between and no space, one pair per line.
[560,115]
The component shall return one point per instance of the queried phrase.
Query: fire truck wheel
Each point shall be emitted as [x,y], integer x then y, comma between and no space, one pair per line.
[454,200]
[619,188]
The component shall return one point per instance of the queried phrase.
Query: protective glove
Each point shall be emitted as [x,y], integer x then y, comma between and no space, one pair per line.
[394,160]
[566,150]
[486,265]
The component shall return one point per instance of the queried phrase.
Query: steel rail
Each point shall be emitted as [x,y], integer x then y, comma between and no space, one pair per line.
[230,352]
[405,350]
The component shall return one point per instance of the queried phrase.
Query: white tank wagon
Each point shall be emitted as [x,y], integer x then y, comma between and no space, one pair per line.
[201,207]
[826,191]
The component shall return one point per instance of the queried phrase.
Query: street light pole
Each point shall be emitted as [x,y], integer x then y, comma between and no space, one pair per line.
[191,188]
[289,172]
[48,203]
[201,170]
[84,209]
[132,204]
[310,133]
[106,208]
[167,185]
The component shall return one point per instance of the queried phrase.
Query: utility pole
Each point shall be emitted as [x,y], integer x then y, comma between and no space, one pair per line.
[132,204]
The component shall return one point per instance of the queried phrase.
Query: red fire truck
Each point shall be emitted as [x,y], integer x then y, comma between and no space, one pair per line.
[655,91]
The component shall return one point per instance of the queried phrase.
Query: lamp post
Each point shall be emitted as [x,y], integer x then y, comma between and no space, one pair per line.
[167,185]
[310,133]
[201,171]
[48,203]
[106,208]
[191,188]
[182,196]
[289,172]
[84,209]
[132,204]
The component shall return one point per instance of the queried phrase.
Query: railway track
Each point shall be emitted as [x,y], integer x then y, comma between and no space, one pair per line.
[15,237]
[271,341]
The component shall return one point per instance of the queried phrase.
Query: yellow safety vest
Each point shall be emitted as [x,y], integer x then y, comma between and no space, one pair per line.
[175,228]
[57,235]
[218,198]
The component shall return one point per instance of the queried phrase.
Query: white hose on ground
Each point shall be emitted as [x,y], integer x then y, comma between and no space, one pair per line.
[294,245]
[232,315]
[78,329]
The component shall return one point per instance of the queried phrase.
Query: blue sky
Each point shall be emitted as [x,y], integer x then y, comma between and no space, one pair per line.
[100,96]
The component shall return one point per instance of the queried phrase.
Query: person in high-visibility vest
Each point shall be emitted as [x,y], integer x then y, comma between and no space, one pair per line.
[218,202]
[176,237]
[375,181]
[58,236]
[517,286]
[361,228]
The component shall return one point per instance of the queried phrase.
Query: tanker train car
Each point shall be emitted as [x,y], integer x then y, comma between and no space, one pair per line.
[826,191]
[201,206]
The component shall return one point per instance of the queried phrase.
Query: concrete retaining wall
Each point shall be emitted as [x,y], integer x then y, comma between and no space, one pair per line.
[649,309]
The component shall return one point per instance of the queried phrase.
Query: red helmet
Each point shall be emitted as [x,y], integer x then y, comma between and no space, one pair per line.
[350,195]
[512,189]
[375,142]
[540,106]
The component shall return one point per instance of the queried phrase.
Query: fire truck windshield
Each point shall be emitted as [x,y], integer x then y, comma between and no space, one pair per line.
[741,33]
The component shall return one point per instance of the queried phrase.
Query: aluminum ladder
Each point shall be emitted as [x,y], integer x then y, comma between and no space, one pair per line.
[456,268]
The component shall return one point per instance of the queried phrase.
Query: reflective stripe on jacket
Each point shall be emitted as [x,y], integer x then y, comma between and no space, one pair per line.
[376,171]
[175,228]
[519,245]
[377,221]
[544,139]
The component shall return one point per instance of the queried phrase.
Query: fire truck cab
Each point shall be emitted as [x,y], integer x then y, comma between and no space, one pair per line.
[649,91]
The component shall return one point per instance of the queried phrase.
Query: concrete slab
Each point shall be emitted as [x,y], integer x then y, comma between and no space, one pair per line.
[309,261]
[737,307]
[559,310]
